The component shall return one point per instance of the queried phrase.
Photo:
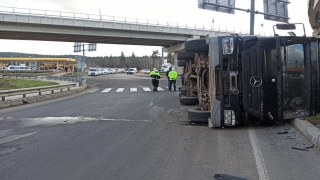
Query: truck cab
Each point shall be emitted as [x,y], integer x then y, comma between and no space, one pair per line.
[257,79]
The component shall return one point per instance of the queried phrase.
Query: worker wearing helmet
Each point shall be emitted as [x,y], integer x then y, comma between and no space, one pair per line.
[155,75]
[173,77]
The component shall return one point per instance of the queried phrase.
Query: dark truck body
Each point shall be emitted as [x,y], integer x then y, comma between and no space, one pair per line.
[261,80]
[266,79]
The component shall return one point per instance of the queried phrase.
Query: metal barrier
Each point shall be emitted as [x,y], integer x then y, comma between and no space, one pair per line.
[73,79]
[25,91]
[21,76]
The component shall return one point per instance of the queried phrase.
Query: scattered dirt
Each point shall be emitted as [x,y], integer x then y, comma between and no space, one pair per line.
[176,116]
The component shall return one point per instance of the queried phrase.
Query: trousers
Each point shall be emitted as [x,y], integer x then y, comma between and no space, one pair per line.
[155,84]
[174,85]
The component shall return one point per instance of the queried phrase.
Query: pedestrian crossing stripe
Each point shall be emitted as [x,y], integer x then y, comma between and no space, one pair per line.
[94,90]
[133,89]
[120,90]
[106,90]
[145,89]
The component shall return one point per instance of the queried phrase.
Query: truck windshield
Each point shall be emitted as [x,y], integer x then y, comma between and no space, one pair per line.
[294,80]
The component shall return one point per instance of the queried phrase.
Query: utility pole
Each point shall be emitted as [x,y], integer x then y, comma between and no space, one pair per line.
[252,17]
[77,48]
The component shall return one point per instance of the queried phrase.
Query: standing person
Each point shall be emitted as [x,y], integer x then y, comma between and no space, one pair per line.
[173,77]
[66,68]
[155,75]
[167,74]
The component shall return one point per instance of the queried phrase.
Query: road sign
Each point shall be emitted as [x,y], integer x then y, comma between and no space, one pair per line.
[226,6]
[276,10]
[77,47]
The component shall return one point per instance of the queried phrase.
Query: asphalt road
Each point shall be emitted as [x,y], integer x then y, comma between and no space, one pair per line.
[140,135]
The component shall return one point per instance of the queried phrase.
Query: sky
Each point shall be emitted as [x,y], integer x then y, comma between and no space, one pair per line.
[174,11]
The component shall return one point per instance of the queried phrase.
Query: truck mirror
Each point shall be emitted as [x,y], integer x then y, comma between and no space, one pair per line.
[286,26]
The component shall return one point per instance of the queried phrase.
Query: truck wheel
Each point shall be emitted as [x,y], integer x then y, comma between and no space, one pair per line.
[196,115]
[196,45]
[181,87]
[185,55]
[181,63]
[189,100]
[183,91]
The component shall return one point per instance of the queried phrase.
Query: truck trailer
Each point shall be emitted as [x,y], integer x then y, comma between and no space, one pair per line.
[234,80]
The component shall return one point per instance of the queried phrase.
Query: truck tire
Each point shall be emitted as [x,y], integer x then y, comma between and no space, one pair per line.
[181,87]
[183,91]
[197,45]
[181,63]
[197,116]
[189,100]
[185,55]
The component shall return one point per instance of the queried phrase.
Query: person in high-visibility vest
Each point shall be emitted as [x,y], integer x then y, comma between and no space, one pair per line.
[173,77]
[155,75]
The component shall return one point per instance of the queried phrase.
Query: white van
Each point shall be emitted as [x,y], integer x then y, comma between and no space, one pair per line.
[18,68]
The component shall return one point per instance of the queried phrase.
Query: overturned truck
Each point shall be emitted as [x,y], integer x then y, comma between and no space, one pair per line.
[234,80]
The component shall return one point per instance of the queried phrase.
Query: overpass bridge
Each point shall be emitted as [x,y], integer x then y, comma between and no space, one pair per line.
[44,25]
[314,16]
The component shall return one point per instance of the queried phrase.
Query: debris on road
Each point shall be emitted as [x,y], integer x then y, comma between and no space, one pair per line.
[283,132]
[227,177]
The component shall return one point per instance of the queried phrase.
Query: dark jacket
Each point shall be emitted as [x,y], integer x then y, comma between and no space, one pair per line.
[167,74]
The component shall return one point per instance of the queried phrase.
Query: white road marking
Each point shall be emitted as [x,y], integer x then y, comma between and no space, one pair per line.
[146,89]
[14,137]
[120,90]
[133,89]
[261,166]
[160,89]
[94,90]
[106,90]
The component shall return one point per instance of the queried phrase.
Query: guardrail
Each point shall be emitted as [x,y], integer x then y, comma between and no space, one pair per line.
[73,79]
[39,90]
[115,19]
[22,76]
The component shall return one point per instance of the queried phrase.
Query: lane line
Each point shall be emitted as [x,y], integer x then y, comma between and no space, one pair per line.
[14,137]
[160,89]
[133,89]
[106,90]
[261,166]
[120,90]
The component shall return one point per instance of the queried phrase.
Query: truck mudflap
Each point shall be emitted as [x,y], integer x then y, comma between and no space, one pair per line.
[253,80]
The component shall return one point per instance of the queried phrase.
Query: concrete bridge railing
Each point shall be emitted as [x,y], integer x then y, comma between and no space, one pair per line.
[14,11]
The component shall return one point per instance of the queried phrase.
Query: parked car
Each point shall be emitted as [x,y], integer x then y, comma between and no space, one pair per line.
[93,72]
[105,71]
[120,70]
[130,71]
[145,71]
[112,71]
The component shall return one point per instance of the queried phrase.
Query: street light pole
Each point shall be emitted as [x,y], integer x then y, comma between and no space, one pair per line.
[252,17]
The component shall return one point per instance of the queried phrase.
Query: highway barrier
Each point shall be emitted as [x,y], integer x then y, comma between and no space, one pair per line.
[39,90]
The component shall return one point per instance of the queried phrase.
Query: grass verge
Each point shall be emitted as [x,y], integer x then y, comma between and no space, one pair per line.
[6,83]
[315,120]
